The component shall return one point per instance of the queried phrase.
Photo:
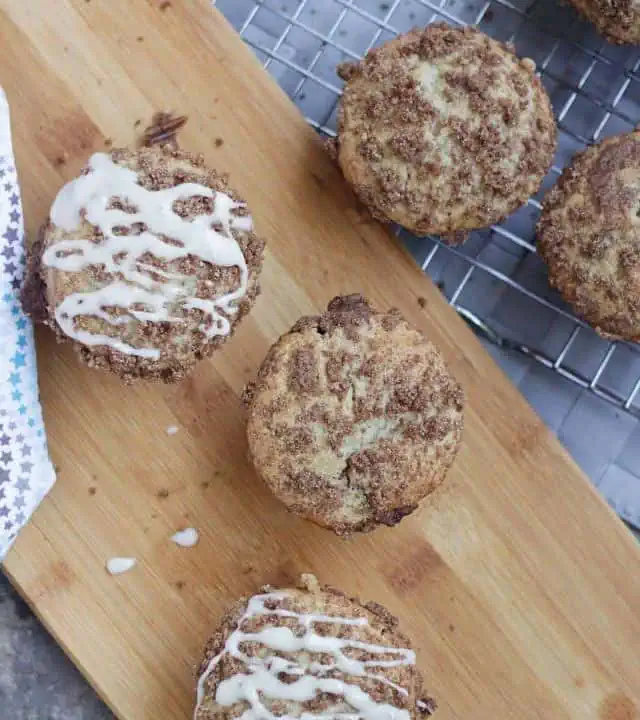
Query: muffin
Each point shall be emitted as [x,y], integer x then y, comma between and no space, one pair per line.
[309,652]
[147,263]
[444,130]
[354,418]
[589,236]
[619,21]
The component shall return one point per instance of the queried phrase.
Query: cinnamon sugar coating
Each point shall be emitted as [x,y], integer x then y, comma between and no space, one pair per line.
[444,130]
[354,418]
[617,20]
[589,236]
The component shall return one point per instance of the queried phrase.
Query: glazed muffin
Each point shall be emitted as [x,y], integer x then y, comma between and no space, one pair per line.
[589,236]
[309,652]
[444,130]
[354,418]
[147,263]
[619,21]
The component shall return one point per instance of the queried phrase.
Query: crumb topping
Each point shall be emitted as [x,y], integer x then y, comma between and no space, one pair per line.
[588,235]
[353,418]
[444,129]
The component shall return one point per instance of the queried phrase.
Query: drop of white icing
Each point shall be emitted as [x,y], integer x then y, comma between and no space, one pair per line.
[119,565]
[186,538]
[172,429]
[122,254]
[261,677]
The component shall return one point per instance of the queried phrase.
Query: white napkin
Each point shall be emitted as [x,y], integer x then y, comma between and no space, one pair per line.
[26,472]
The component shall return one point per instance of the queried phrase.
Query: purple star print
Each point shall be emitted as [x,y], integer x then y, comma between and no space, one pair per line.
[26,473]
[11,235]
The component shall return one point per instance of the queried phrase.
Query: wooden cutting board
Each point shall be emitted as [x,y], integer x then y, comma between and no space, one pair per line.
[519,586]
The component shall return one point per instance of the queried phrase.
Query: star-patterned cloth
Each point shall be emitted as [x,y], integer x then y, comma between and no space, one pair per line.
[26,472]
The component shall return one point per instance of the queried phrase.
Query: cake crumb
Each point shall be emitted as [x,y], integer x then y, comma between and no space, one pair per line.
[162,494]
[180,584]
[219,142]
[165,5]
[427,706]
[92,490]
[172,429]
[422,302]
[164,129]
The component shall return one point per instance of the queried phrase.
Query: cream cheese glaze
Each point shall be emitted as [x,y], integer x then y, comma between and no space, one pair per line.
[261,675]
[208,237]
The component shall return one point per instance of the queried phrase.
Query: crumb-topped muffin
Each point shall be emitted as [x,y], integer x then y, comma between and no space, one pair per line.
[354,418]
[617,20]
[147,263]
[444,130]
[306,652]
[589,235]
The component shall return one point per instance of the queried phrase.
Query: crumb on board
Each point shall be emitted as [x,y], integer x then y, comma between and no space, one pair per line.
[219,142]
[422,302]
[162,494]
[180,584]
[108,142]
[205,484]
[137,123]
[165,5]
[92,490]
[140,38]
[164,129]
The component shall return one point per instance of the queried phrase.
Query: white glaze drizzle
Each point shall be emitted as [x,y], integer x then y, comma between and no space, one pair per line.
[186,538]
[261,677]
[119,565]
[120,253]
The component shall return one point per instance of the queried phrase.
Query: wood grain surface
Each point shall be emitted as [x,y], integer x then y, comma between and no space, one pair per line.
[519,586]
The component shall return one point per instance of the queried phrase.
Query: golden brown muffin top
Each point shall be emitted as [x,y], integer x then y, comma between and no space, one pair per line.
[589,235]
[354,417]
[444,129]
[618,21]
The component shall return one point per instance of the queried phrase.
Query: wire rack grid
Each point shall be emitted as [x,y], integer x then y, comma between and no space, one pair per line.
[495,281]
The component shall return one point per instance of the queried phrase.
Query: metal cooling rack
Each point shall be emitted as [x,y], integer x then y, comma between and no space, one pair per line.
[581,384]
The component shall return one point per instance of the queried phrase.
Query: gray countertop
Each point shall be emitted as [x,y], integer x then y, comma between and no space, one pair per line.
[37,680]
